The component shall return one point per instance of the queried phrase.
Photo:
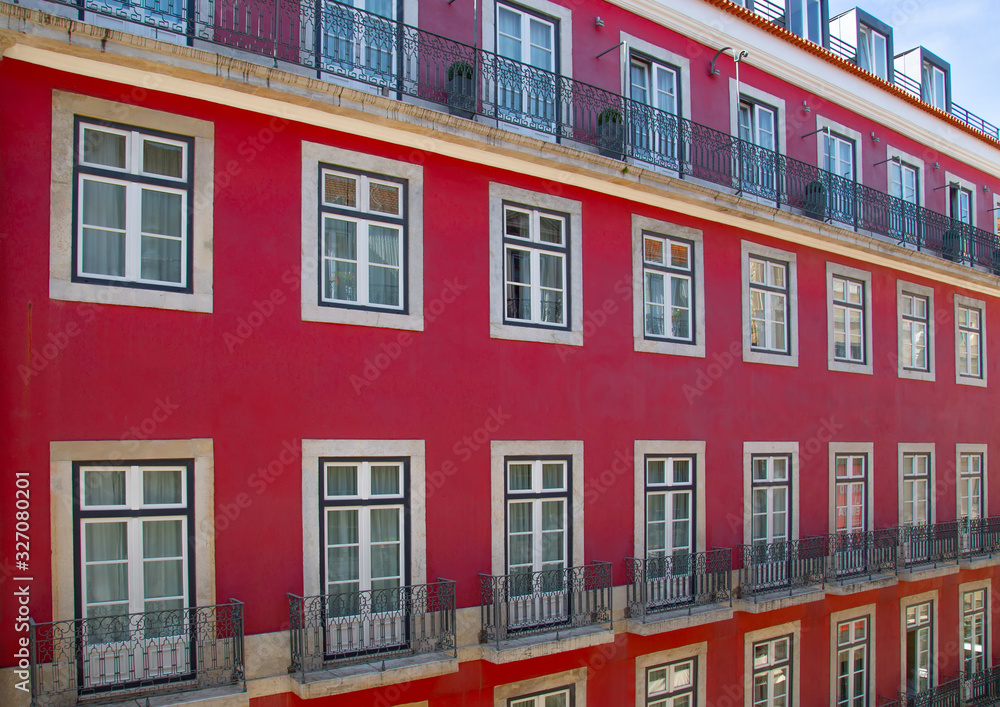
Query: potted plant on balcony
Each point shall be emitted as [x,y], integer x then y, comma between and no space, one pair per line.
[461,89]
[611,133]
[815,200]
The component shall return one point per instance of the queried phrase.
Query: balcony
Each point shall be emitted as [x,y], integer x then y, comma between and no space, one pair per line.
[982,688]
[862,555]
[332,630]
[339,43]
[980,538]
[948,694]
[783,567]
[682,583]
[560,601]
[928,545]
[137,656]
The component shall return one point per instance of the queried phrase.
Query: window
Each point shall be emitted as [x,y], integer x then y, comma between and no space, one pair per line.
[852,492]
[970,486]
[914,322]
[873,51]
[655,90]
[758,124]
[537,513]
[848,320]
[535,267]
[136,530]
[670,530]
[527,92]
[838,155]
[974,632]
[960,204]
[771,495]
[933,87]
[667,270]
[772,673]
[768,305]
[536,258]
[916,489]
[758,147]
[918,673]
[132,217]
[363,236]
[904,183]
[362,239]
[672,685]
[555,698]
[805,18]
[969,341]
[852,663]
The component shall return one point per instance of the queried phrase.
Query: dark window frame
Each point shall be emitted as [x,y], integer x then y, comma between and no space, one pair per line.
[851,480]
[926,321]
[566,494]
[787,291]
[671,270]
[692,485]
[693,690]
[863,309]
[866,642]
[754,484]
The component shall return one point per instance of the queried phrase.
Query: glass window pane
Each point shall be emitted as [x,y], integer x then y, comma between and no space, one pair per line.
[653,250]
[680,256]
[104,487]
[160,259]
[103,204]
[339,190]
[552,270]
[162,486]
[550,230]
[519,517]
[384,198]
[553,476]
[552,515]
[163,159]
[519,477]
[656,471]
[103,148]
[341,239]
[104,542]
[385,525]
[342,527]
[518,224]
[341,480]
[103,253]
[161,213]
[383,245]
[385,480]
[383,286]
[162,538]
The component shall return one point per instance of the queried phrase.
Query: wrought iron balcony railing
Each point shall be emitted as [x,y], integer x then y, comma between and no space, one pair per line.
[982,688]
[947,694]
[782,566]
[137,655]
[862,554]
[342,43]
[655,585]
[360,626]
[928,544]
[980,537]
[522,604]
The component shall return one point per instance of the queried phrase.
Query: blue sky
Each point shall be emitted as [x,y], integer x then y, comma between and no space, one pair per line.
[958,31]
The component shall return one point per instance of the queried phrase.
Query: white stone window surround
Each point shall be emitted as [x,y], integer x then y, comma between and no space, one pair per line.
[906,158]
[563,17]
[663,56]
[949,179]
[576,678]
[499,329]
[697,651]
[62,456]
[667,448]
[864,276]
[640,226]
[983,451]
[765,634]
[499,451]
[315,449]
[963,301]
[748,248]
[837,617]
[908,448]
[752,449]
[843,131]
[911,288]
[904,604]
[313,154]
[62,230]
[738,92]
[855,448]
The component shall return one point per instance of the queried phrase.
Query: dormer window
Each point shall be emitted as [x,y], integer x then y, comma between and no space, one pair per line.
[932,89]
[872,52]
[805,18]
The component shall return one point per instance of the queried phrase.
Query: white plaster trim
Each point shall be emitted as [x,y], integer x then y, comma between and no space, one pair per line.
[928,292]
[313,450]
[664,56]
[62,495]
[747,249]
[846,132]
[904,604]
[982,449]
[312,311]
[766,634]
[577,679]
[65,106]
[736,92]
[499,450]
[913,161]
[838,617]
[750,449]
[855,448]
[698,651]
[950,178]
[904,448]
[865,276]
[980,382]
[667,448]
[574,209]
[643,224]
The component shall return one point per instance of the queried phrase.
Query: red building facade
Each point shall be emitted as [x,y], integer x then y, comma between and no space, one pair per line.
[505,354]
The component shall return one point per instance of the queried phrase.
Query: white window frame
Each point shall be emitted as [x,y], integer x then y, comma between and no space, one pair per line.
[696,653]
[740,93]
[754,355]
[535,248]
[642,225]
[986,586]
[679,62]
[961,377]
[982,451]
[539,699]
[310,275]
[835,270]
[575,679]
[196,295]
[908,449]
[904,604]
[929,91]
[500,328]
[910,288]
[760,449]
[838,617]
[644,449]
[536,496]
[840,449]
[868,34]
[894,155]
[751,638]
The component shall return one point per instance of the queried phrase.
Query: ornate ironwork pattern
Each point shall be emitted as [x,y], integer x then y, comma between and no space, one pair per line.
[361,626]
[861,554]
[980,537]
[982,688]
[677,582]
[540,602]
[928,543]
[133,655]
[782,566]
[947,694]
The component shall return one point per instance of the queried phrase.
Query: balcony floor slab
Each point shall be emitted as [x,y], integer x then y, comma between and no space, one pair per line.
[225,696]
[918,573]
[780,599]
[366,676]
[535,646]
[978,563]
[665,621]
[856,585]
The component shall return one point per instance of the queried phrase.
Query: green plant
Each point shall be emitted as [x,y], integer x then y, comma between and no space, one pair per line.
[609,115]
[460,69]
